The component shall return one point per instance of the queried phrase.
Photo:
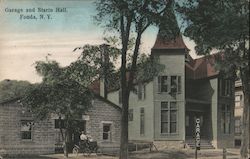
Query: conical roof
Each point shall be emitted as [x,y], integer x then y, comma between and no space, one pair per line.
[164,43]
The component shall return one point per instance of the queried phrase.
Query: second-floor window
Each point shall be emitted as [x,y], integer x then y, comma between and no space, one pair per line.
[170,84]
[141,91]
[238,100]
[225,87]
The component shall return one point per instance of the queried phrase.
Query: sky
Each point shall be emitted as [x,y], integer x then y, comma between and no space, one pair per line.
[24,41]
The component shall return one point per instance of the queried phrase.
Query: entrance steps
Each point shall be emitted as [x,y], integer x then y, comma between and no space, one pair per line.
[205,144]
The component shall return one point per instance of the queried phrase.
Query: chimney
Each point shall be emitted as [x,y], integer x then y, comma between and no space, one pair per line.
[105,65]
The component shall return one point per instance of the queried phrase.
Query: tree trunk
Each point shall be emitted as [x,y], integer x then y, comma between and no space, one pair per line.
[124,129]
[65,145]
[245,116]
[125,30]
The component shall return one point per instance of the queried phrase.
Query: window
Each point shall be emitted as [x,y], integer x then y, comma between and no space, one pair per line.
[168,117]
[225,87]
[173,84]
[130,115]
[141,91]
[173,81]
[106,135]
[179,84]
[225,119]
[163,83]
[26,128]
[237,126]
[238,100]
[142,121]
[59,123]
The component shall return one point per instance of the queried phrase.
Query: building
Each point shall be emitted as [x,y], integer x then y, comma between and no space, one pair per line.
[165,109]
[162,111]
[20,133]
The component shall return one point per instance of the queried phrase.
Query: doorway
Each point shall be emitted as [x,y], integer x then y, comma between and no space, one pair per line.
[190,121]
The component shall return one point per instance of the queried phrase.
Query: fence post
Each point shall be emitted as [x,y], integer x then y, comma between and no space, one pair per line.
[224,153]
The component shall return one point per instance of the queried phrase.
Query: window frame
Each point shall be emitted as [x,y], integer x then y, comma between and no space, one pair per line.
[141,91]
[169,122]
[225,121]
[30,131]
[226,87]
[170,84]
[109,133]
[240,101]
[142,121]
[237,127]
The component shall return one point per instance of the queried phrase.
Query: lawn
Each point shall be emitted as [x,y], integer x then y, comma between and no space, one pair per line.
[145,154]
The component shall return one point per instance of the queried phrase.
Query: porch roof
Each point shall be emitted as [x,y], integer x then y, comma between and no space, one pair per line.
[198,101]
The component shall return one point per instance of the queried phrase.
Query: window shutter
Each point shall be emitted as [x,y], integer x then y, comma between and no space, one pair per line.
[179,84]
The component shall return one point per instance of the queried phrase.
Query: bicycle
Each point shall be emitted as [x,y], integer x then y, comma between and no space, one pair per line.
[85,147]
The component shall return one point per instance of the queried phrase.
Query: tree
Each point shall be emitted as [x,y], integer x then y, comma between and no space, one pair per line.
[223,25]
[126,18]
[10,89]
[63,92]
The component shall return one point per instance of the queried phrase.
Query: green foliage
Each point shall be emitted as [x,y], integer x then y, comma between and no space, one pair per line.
[60,92]
[216,24]
[148,68]
[10,89]
[221,25]
[142,13]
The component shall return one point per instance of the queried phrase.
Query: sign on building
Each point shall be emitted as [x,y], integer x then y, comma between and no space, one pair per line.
[197,134]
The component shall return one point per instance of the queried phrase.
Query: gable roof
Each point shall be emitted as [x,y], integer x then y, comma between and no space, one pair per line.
[203,67]
[107,101]
[96,95]
[16,99]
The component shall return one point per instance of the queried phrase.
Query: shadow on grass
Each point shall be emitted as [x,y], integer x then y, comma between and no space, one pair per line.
[27,157]
[160,155]
[175,154]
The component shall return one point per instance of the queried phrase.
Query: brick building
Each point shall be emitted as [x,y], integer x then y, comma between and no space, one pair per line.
[20,133]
